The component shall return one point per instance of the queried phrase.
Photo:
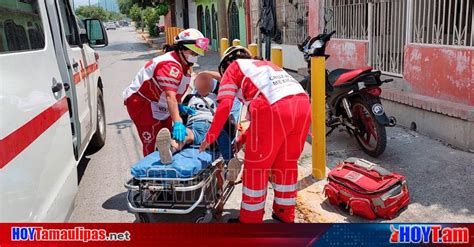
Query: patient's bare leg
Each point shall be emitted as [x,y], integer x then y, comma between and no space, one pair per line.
[177,146]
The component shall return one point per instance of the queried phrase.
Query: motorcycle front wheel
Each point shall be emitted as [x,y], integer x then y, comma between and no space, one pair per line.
[369,133]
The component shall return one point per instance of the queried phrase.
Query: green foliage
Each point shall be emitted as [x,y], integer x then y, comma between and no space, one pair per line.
[162,8]
[114,16]
[92,12]
[95,12]
[144,3]
[151,17]
[135,13]
[125,6]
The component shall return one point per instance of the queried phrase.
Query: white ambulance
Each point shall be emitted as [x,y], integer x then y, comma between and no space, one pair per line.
[51,106]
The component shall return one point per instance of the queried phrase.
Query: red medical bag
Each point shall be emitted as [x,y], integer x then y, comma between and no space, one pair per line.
[367,189]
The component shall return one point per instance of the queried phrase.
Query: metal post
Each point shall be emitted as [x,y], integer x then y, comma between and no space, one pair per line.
[253,48]
[277,56]
[236,42]
[224,45]
[318,105]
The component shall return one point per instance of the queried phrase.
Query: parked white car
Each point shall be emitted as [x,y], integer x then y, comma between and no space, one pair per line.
[110,25]
[51,106]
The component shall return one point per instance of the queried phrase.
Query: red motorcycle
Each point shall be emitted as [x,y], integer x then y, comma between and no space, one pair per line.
[352,99]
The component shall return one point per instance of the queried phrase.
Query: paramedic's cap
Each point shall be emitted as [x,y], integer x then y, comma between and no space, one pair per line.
[193,40]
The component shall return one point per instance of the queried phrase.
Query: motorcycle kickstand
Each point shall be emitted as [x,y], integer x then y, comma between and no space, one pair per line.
[332,130]
[349,132]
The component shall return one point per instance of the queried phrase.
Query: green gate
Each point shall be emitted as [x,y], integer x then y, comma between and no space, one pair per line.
[234,26]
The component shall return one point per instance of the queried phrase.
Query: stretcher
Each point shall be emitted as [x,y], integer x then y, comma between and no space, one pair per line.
[192,181]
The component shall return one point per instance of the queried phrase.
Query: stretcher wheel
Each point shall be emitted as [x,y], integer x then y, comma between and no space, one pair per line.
[206,218]
[143,218]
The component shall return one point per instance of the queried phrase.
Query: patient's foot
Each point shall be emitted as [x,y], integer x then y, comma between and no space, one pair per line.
[163,144]
[233,169]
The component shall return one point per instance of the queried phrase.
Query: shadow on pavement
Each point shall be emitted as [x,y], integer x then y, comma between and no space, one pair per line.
[439,179]
[81,168]
[147,56]
[117,202]
[120,125]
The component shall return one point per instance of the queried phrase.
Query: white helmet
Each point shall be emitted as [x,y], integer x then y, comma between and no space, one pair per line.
[231,54]
[193,40]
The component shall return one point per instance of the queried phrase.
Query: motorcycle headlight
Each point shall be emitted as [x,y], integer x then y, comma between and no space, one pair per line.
[317,44]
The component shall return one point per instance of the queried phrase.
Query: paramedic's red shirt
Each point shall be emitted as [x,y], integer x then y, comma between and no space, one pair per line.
[229,86]
[168,75]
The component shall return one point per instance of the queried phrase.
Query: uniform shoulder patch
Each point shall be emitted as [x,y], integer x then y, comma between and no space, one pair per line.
[174,72]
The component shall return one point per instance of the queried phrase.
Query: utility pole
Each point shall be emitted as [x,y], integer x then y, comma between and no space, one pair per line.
[222,20]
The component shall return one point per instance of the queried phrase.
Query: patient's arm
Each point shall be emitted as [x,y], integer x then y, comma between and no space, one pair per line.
[177,146]
[214,74]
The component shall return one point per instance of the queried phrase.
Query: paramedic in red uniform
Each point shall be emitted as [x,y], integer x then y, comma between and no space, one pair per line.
[153,96]
[280,116]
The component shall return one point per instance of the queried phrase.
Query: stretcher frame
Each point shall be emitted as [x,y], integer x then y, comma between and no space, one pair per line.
[143,193]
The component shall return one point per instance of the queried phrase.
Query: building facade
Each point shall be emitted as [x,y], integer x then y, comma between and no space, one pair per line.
[203,15]
[426,45]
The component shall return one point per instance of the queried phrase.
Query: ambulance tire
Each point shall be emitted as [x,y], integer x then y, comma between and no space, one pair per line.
[98,140]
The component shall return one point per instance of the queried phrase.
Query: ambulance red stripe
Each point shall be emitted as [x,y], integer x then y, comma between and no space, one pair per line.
[77,77]
[17,141]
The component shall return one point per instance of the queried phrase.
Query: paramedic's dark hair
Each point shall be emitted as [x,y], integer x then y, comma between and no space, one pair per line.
[174,47]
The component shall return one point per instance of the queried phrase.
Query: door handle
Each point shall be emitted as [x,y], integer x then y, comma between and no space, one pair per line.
[66,86]
[57,87]
[75,65]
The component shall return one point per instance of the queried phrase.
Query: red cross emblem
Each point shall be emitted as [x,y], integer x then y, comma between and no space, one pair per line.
[146,135]
[186,34]
[261,63]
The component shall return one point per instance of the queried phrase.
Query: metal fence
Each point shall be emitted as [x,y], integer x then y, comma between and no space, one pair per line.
[443,22]
[350,18]
[389,24]
[292,20]
[387,35]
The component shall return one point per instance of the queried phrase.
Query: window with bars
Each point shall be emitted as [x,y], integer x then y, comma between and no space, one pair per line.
[443,22]
[350,18]
[292,20]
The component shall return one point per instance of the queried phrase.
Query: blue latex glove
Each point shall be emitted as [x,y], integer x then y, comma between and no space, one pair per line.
[186,110]
[179,132]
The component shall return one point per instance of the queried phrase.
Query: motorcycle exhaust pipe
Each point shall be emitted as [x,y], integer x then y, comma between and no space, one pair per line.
[345,103]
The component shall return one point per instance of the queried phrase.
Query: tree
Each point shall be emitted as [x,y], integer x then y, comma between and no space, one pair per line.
[151,17]
[125,6]
[135,13]
[92,12]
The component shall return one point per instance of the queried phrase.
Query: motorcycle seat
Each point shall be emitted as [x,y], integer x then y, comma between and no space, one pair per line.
[340,77]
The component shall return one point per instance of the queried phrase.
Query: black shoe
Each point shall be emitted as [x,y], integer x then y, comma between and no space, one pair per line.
[275,217]
[234,220]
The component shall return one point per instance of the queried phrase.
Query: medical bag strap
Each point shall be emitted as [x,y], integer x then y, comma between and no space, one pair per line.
[207,104]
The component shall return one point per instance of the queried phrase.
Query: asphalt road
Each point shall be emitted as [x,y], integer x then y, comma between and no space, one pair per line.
[101,195]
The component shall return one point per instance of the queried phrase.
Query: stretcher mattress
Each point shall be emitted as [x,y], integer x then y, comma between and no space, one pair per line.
[186,163]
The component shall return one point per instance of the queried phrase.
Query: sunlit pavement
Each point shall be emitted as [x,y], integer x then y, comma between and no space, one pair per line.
[440,178]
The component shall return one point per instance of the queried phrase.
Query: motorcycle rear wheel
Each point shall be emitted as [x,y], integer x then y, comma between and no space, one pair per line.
[370,134]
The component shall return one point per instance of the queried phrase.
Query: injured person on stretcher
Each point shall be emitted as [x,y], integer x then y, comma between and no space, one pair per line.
[164,180]
[198,109]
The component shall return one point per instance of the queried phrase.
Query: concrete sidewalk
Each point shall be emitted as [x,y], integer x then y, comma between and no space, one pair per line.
[440,178]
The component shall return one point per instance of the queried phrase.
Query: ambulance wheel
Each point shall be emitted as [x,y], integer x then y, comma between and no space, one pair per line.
[98,140]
